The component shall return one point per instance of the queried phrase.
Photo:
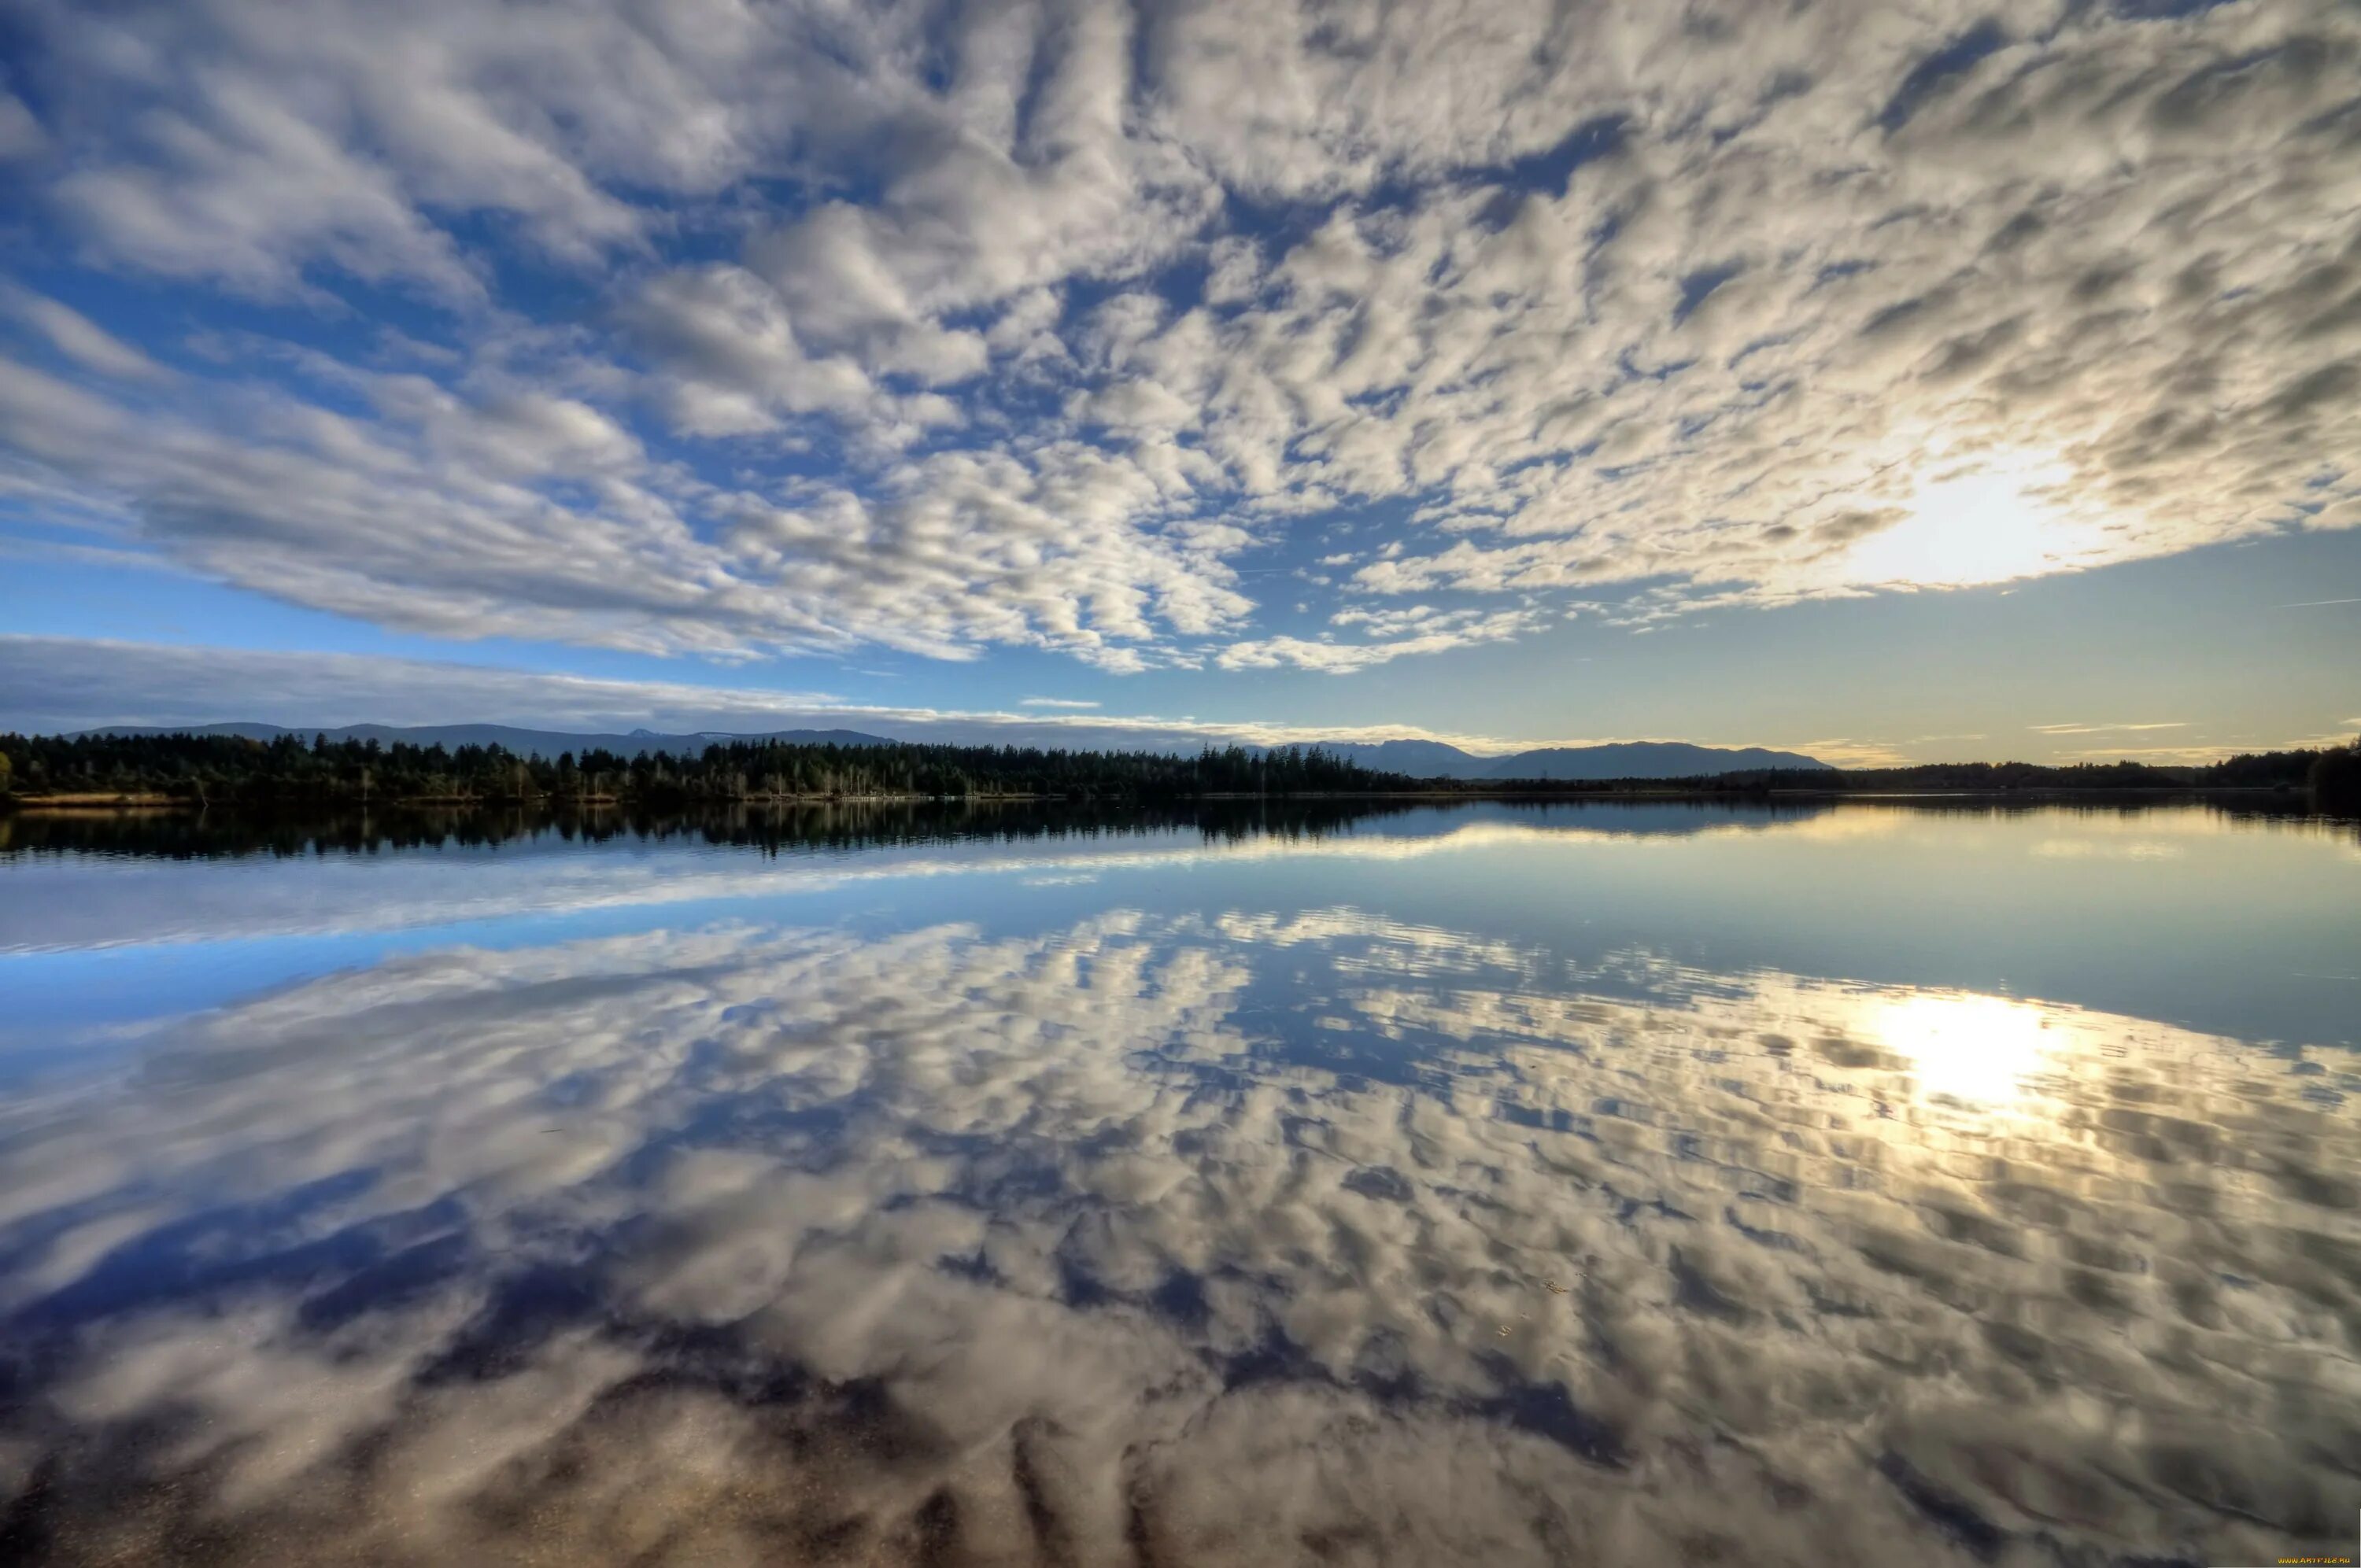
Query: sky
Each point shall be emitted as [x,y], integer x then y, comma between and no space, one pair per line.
[1896,382]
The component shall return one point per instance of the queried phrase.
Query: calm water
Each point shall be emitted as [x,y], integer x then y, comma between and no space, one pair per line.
[1582,1185]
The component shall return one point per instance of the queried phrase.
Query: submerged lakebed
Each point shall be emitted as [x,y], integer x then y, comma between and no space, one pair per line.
[1611,1182]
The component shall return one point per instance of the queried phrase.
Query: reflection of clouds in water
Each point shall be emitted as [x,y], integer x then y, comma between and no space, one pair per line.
[1380,946]
[2105,850]
[81,902]
[743,1245]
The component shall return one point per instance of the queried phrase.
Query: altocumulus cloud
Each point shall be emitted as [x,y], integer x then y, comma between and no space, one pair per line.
[734,329]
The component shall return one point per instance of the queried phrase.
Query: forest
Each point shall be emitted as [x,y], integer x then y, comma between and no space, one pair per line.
[2327,772]
[224,770]
[292,772]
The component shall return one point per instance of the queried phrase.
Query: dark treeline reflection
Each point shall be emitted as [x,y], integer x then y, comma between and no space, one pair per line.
[859,825]
[190,834]
[222,833]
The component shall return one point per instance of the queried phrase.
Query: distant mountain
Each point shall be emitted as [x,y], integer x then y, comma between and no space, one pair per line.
[1623,760]
[1418,759]
[524,742]
[1643,759]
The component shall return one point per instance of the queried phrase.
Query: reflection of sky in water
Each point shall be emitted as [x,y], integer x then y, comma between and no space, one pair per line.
[2236,926]
[1415,1197]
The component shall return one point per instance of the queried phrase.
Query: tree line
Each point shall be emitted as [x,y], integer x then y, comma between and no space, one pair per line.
[289,770]
[2297,769]
[2332,773]
[317,773]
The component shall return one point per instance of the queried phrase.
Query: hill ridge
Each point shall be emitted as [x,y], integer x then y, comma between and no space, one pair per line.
[1418,759]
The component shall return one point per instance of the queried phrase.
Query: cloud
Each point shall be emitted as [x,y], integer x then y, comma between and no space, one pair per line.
[73,336]
[686,1241]
[60,683]
[956,328]
[2163,756]
[20,133]
[1846,751]
[51,685]
[1419,630]
[522,512]
[2104,729]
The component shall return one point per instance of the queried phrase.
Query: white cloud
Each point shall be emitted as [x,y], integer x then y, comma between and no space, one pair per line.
[20,134]
[1419,630]
[2077,728]
[2161,756]
[56,683]
[1847,751]
[74,335]
[899,306]
[53,684]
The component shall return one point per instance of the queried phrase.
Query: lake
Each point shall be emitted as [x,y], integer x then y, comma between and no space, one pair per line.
[1609,1183]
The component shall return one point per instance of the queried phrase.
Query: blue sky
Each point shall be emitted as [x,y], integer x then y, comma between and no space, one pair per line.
[1888,382]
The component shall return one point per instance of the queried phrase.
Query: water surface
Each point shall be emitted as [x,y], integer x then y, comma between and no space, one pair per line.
[1595,1183]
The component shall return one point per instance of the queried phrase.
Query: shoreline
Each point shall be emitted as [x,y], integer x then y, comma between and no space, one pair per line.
[101,802]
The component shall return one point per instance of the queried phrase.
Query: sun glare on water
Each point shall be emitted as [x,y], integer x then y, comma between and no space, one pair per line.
[1974,1048]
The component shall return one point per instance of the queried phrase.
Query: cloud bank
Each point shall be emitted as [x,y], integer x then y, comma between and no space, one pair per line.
[735,329]
[50,684]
